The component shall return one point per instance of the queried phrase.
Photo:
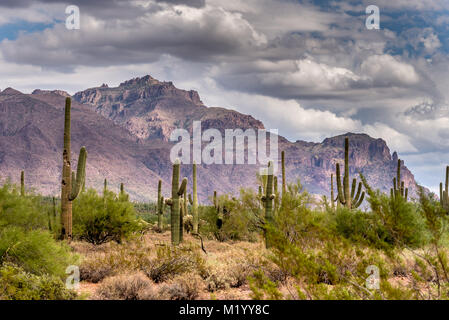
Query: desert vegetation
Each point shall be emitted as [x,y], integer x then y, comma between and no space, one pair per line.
[266,243]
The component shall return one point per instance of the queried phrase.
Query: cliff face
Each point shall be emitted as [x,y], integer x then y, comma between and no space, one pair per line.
[126,131]
[151,109]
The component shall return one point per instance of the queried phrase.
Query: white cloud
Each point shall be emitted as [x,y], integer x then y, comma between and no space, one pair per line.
[385,70]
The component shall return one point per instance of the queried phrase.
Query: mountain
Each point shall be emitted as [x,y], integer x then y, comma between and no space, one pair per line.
[126,130]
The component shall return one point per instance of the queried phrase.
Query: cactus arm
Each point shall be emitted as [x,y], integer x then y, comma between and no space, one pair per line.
[358,203]
[341,196]
[80,174]
[183,187]
[357,196]
[353,187]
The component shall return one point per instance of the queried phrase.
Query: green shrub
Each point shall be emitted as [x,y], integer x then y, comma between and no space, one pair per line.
[35,251]
[171,261]
[29,212]
[98,219]
[17,284]
[400,219]
[242,218]
[24,236]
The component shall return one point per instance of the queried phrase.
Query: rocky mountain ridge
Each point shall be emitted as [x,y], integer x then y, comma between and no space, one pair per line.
[126,131]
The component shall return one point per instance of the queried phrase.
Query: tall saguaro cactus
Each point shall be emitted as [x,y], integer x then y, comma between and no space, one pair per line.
[344,197]
[267,200]
[398,189]
[444,194]
[160,205]
[71,184]
[284,187]
[195,201]
[333,200]
[22,184]
[175,203]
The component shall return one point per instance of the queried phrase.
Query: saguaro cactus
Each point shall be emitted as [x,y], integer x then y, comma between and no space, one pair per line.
[160,205]
[22,184]
[444,197]
[195,201]
[398,189]
[284,188]
[70,186]
[333,199]
[267,200]
[174,203]
[344,197]
[123,196]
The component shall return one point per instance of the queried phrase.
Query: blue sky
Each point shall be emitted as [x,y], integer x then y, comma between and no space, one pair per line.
[12,30]
[308,68]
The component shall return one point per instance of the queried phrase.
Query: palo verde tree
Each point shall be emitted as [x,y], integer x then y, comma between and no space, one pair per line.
[71,184]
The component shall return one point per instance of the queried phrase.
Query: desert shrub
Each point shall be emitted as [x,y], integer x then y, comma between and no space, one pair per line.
[35,251]
[98,219]
[241,218]
[401,220]
[361,227]
[183,287]
[17,284]
[135,286]
[219,278]
[29,213]
[171,261]
[95,270]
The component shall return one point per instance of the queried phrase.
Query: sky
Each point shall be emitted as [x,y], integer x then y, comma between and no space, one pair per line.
[311,69]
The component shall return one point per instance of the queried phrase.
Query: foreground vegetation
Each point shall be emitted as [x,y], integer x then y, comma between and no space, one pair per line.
[316,252]
[268,244]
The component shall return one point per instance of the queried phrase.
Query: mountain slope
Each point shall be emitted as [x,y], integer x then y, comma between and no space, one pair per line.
[126,131]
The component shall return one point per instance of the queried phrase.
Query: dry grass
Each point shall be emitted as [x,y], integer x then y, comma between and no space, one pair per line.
[150,268]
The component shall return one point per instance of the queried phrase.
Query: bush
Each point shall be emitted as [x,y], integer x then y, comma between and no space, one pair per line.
[17,284]
[126,287]
[29,213]
[242,218]
[182,287]
[400,219]
[98,219]
[171,261]
[35,251]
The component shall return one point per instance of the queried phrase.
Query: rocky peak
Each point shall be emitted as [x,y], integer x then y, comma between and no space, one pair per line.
[140,81]
[57,92]
[10,92]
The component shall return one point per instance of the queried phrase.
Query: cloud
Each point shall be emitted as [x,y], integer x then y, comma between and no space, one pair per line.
[309,68]
[190,33]
[385,70]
